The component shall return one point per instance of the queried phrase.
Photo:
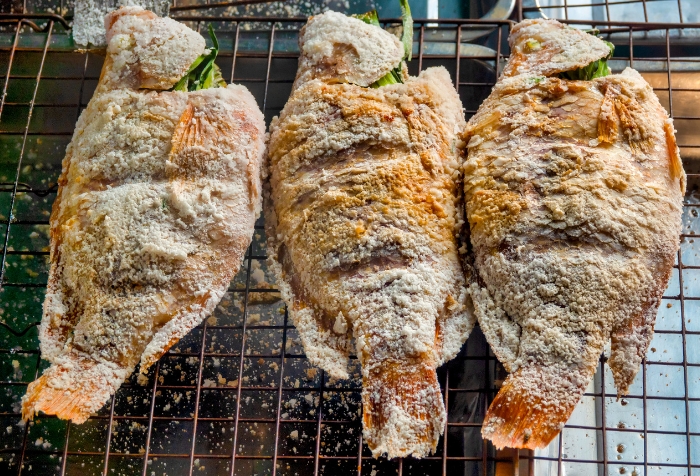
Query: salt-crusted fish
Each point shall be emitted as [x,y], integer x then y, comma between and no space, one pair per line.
[573,188]
[156,205]
[362,218]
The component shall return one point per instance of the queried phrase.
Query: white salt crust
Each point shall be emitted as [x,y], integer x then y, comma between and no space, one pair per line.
[337,48]
[546,47]
[573,191]
[156,205]
[362,218]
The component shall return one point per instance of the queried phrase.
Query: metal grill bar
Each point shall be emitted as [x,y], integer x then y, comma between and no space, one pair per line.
[24,138]
[105,470]
[208,5]
[240,369]
[146,452]
[565,9]
[331,424]
[17,175]
[317,450]
[603,422]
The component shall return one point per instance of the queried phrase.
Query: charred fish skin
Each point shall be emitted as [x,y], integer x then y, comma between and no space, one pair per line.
[573,192]
[361,220]
[156,206]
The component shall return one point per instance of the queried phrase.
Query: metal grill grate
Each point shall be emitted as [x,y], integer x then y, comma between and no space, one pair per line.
[237,396]
[671,11]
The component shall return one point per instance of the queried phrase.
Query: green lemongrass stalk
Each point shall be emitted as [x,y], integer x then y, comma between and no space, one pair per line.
[204,73]
[407,30]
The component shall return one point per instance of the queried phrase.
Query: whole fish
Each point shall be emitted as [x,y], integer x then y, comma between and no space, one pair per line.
[573,189]
[156,204]
[362,219]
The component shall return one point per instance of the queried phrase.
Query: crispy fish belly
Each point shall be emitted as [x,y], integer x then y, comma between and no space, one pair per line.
[573,191]
[361,222]
[155,209]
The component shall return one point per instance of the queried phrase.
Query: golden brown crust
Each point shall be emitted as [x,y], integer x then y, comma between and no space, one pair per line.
[155,209]
[361,220]
[573,192]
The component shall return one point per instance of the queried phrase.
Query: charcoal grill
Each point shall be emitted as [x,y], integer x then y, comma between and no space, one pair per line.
[237,395]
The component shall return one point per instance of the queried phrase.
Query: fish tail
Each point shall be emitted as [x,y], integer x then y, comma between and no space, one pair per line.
[72,390]
[533,405]
[403,412]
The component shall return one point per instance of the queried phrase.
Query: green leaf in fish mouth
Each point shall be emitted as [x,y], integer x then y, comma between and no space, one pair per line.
[394,76]
[204,73]
[597,69]
[370,17]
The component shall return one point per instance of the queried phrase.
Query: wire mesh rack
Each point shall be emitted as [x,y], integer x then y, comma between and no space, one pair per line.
[669,11]
[237,396]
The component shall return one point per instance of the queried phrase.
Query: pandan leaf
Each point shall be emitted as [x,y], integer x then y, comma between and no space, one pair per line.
[204,73]
[218,77]
[371,18]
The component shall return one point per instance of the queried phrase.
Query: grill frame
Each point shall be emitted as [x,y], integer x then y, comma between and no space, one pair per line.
[606,9]
[487,462]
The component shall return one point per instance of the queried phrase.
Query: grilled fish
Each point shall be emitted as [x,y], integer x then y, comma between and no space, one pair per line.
[156,205]
[573,191]
[362,218]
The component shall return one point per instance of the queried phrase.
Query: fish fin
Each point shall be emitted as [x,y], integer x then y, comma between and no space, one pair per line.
[533,405]
[195,134]
[630,341]
[205,125]
[326,341]
[403,411]
[630,338]
[675,164]
[629,346]
[186,132]
[453,326]
[189,311]
[631,119]
[500,330]
[622,116]
[608,120]
[175,329]
[72,389]
[323,347]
